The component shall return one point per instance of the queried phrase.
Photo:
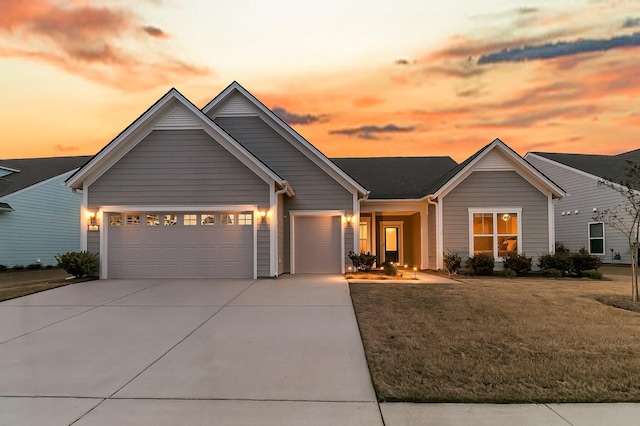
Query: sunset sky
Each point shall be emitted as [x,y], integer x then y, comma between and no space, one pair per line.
[356,78]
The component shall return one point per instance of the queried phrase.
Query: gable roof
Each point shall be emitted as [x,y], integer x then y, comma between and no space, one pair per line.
[303,145]
[119,146]
[30,171]
[396,177]
[532,174]
[610,167]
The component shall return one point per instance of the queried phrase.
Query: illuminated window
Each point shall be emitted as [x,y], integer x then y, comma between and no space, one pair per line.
[364,237]
[115,220]
[153,220]
[496,232]
[245,219]
[596,238]
[207,219]
[190,219]
[133,219]
[227,219]
[170,220]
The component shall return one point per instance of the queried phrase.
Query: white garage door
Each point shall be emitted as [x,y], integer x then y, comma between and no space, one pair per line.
[317,244]
[175,245]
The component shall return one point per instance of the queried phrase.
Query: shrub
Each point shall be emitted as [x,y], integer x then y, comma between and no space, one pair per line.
[593,274]
[4,268]
[508,273]
[551,273]
[362,261]
[480,264]
[518,263]
[561,261]
[560,248]
[583,261]
[78,263]
[17,267]
[34,266]
[389,269]
[452,263]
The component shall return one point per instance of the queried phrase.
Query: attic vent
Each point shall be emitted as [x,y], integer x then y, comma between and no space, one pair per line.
[237,106]
[177,119]
[493,162]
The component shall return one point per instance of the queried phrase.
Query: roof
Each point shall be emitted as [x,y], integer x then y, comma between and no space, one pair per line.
[34,170]
[610,167]
[396,177]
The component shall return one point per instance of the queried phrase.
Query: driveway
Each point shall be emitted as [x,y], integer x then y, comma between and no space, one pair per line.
[273,351]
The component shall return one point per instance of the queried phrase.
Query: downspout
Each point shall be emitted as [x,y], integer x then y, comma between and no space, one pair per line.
[438,236]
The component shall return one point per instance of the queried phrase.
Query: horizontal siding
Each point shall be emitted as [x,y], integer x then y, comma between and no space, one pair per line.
[496,189]
[178,167]
[264,249]
[46,222]
[584,195]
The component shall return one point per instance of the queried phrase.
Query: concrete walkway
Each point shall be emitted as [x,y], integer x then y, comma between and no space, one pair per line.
[270,352]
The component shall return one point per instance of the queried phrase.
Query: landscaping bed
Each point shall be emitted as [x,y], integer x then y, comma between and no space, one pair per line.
[491,339]
[21,283]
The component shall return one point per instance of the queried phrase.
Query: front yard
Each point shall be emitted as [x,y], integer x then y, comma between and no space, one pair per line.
[21,283]
[501,340]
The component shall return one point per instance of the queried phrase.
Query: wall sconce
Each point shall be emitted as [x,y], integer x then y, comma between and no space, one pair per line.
[263,215]
[349,219]
[93,222]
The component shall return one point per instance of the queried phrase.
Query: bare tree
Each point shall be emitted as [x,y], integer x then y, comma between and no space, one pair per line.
[625,217]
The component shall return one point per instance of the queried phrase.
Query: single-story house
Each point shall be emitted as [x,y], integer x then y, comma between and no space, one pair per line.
[579,174]
[230,190]
[39,216]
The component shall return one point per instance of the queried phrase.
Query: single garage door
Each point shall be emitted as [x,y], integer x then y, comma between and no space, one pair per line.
[175,245]
[317,244]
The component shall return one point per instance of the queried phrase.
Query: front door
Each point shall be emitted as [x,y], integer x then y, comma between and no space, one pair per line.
[391,253]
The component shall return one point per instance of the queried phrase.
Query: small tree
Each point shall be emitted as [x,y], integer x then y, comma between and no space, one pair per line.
[625,217]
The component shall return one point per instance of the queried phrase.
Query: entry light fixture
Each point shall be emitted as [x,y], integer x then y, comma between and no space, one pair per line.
[263,214]
[93,222]
[349,218]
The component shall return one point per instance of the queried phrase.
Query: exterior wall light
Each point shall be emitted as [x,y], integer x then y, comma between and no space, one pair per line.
[263,215]
[93,222]
[349,218]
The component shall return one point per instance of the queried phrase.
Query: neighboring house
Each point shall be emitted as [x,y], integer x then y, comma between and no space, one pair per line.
[579,174]
[232,191]
[39,216]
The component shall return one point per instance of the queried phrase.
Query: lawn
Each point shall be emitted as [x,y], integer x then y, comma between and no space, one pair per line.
[501,340]
[20,283]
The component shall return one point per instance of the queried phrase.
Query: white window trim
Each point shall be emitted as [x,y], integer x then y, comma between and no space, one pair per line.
[596,238]
[495,211]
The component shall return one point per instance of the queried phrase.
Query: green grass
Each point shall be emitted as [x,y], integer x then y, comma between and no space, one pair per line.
[501,340]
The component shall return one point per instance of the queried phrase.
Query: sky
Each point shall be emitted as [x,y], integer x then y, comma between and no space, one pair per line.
[356,78]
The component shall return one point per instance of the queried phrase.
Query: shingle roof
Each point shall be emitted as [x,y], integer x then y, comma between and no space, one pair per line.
[35,170]
[610,167]
[396,177]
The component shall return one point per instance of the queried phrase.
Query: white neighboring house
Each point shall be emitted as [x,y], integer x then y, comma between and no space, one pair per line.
[578,175]
[39,216]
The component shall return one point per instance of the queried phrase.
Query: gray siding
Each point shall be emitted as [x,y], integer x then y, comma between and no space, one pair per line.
[584,195]
[315,190]
[182,167]
[496,189]
[45,222]
[431,237]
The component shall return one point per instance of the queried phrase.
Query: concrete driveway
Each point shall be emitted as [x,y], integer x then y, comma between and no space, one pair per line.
[275,351]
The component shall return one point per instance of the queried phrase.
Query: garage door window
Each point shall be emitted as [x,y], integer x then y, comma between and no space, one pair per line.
[190,220]
[227,219]
[170,220]
[245,219]
[115,220]
[133,219]
[153,220]
[207,219]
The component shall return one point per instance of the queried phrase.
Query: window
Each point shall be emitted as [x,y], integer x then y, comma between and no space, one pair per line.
[207,219]
[190,219]
[364,240]
[153,220]
[227,219]
[245,219]
[115,220]
[170,220]
[596,238]
[494,231]
[133,219]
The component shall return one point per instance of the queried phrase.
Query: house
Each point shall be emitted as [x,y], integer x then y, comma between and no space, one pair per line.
[230,190]
[579,174]
[39,216]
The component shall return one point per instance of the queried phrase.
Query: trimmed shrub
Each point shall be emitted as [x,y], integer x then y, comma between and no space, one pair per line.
[480,264]
[593,274]
[508,273]
[518,263]
[551,273]
[4,268]
[561,261]
[362,261]
[78,263]
[560,248]
[34,266]
[452,263]
[389,269]
[583,261]
[17,267]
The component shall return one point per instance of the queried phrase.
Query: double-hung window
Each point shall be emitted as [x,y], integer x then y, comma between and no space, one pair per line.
[495,230]
[596,238]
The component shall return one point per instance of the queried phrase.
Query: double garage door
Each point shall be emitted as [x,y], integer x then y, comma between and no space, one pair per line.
[176,245]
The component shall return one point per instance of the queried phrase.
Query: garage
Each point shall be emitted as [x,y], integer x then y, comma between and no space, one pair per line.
[317,244]
[180,245]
